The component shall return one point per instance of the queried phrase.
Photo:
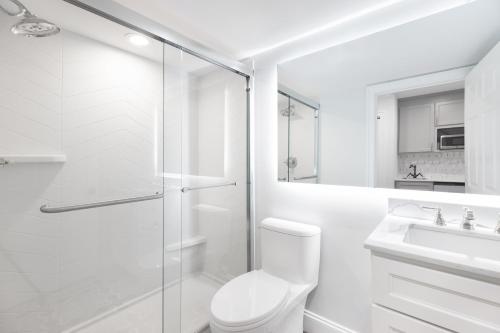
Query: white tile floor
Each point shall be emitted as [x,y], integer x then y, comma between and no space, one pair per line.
[145,315]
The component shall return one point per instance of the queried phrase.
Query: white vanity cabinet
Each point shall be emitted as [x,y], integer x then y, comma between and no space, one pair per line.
[416,128]
[415,298]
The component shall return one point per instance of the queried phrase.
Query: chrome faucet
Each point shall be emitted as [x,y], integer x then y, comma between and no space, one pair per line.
[414,174]
[468,219]
[438,218]
[497,228]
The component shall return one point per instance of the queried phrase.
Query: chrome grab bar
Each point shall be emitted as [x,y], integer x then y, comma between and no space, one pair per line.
[51,210]
[304,178]
[187,189]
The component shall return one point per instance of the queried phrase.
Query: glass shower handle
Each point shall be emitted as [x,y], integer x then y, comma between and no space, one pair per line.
[194,188]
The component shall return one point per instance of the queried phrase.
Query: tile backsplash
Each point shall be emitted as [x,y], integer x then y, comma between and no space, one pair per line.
[450,164]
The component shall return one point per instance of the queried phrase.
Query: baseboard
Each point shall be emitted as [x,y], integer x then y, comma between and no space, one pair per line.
[314,323]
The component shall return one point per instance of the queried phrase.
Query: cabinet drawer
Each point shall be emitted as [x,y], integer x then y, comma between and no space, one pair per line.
[413,185]
[447,300]
[388,321]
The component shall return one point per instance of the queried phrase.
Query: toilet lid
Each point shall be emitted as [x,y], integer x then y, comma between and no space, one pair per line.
[249,298]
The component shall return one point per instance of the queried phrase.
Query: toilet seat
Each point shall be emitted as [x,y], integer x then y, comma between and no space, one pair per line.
[249,300]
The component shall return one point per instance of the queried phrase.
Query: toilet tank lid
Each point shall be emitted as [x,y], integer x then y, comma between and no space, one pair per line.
[289,227]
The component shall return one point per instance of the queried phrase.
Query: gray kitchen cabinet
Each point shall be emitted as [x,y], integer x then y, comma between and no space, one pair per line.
[449,187]
[415,185]
[416,128]
[436,186]
[449,113]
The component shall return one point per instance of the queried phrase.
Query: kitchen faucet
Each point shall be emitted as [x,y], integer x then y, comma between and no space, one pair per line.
[414,174]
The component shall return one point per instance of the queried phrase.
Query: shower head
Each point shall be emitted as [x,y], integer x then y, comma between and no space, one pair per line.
[288,111]
[30,25]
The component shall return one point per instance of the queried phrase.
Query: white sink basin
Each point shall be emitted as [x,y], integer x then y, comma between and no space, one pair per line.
[471,244]
[476,251]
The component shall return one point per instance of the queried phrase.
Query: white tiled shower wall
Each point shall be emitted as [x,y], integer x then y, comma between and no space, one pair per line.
[442,165]
[70,94]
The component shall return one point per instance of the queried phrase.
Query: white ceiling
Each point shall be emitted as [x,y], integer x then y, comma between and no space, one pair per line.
[240,28]
[455,38]
[73,19]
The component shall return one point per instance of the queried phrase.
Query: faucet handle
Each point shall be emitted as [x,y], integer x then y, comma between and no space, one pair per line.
[438,218]
[468,219]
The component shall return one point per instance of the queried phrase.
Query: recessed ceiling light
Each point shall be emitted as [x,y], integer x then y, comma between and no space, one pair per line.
[137,40]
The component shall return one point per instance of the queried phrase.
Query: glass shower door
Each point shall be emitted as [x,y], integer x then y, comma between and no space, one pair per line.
[284,108]
[80,124]
[205,129]
[298,139]
[124,202]
[303,141]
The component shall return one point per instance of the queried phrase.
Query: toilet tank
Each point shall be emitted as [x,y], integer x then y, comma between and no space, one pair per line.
[290,250]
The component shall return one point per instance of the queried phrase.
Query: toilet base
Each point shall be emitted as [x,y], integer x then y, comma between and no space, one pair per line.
[293,322]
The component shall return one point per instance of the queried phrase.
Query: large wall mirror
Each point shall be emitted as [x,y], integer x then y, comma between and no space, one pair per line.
[412,107]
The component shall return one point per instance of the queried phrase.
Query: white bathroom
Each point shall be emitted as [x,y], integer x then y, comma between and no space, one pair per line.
[254,167]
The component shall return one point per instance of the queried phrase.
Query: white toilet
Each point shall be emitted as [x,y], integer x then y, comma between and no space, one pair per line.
[271,299]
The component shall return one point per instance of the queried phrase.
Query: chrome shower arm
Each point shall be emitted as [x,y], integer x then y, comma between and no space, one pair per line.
[22,10]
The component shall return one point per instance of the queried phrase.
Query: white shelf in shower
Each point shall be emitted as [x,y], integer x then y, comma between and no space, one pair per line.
[32,158]
[186,243]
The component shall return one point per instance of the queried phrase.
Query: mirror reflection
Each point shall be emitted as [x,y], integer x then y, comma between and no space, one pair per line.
[298,119]
[413,107]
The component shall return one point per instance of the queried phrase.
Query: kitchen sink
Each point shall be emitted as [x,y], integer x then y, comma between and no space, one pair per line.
[468,243]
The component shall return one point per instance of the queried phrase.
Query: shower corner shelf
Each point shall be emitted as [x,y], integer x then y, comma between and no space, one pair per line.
[31,158]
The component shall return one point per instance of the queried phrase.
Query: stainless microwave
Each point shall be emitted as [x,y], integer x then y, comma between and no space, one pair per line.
[450,138]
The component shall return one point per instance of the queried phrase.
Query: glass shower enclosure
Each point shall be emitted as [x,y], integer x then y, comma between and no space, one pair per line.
[124,176]
[298,137]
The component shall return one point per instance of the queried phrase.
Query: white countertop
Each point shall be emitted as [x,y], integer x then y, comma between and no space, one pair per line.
[433,179]
[389,238]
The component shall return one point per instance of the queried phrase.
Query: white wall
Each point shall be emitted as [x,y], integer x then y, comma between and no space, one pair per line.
[343,151]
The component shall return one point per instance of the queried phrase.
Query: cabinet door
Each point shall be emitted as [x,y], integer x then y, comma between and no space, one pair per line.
[449,113]
[416,128]
[458,303]
[482,124]
[449,188]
